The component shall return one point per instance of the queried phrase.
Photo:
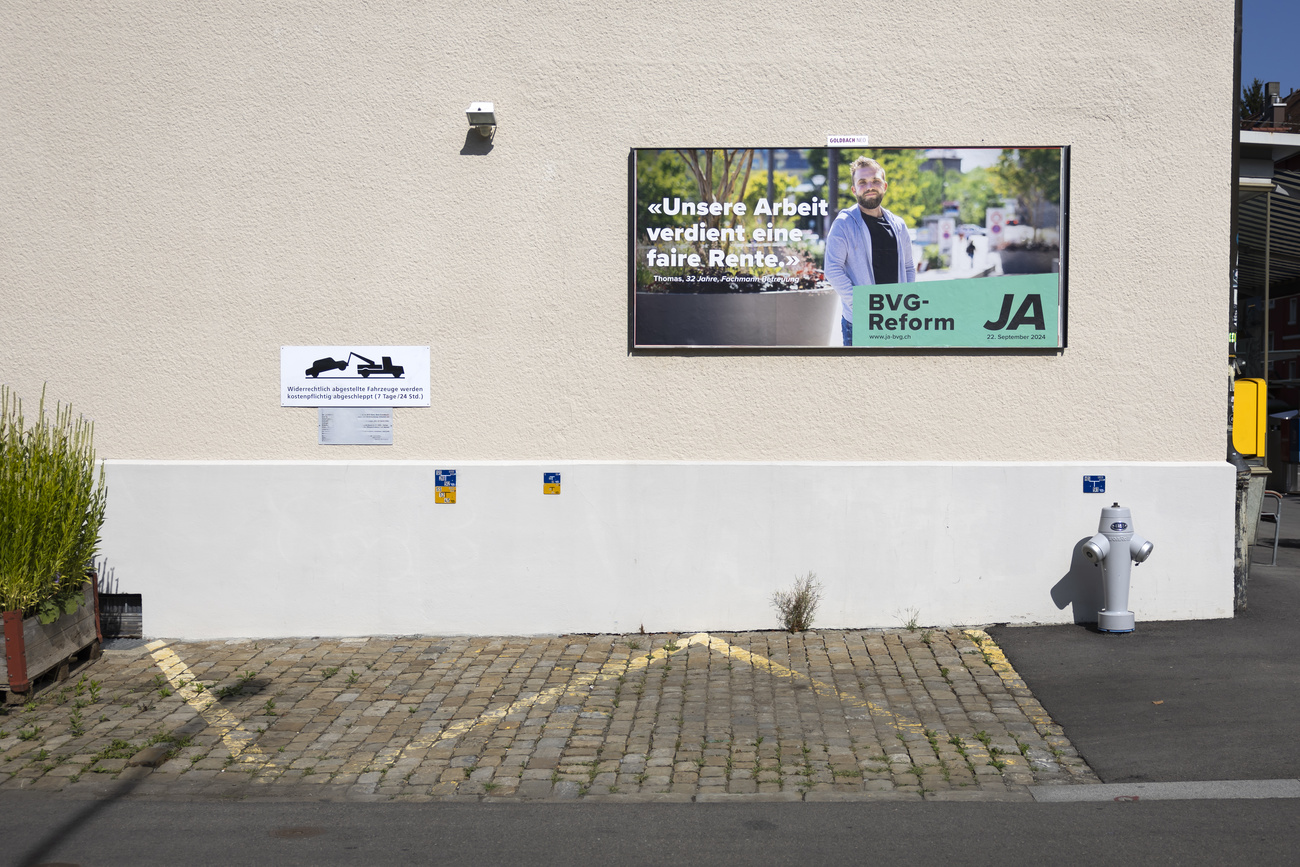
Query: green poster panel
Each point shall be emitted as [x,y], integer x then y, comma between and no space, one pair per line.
[1010,312]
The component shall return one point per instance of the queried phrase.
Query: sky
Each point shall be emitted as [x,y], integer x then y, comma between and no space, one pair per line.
[1270,42]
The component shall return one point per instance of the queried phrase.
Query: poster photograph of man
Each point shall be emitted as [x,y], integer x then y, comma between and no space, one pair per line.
[887,248]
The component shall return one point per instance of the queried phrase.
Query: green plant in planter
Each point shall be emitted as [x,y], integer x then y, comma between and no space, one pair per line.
[51,508]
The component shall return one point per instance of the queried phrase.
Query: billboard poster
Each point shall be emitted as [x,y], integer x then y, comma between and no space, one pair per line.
[884,248]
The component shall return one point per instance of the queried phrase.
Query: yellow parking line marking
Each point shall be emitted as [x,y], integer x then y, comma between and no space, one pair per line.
[999,663]
[238,740]
[580,681]
[204,703]
[461,727]
[825,690]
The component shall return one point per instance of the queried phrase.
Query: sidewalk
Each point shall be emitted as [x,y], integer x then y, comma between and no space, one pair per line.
[835,715]
[1193,700]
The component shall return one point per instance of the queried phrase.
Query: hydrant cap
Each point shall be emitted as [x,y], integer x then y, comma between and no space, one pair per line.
[1116,520]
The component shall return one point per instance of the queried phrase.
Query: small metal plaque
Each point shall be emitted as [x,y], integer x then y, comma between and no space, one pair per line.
[1094,484]
[354,426]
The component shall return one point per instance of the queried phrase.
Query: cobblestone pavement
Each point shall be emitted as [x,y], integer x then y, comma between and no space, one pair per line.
[936,714]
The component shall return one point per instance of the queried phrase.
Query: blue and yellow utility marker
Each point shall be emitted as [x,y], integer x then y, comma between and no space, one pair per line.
[550,483]
[444,486]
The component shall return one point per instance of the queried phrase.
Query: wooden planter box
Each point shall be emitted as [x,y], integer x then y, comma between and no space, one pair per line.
[32,649]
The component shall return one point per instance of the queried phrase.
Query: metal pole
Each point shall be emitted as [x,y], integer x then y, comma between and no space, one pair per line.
[1268,243]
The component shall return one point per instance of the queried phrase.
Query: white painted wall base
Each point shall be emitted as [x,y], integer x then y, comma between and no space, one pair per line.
[269,549]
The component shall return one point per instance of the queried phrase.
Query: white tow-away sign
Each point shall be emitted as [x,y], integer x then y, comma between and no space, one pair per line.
[354,375]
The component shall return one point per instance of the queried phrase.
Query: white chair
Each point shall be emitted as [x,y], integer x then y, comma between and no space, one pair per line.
[1270,511]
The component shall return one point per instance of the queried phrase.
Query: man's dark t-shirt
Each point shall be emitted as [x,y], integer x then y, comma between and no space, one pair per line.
[884,248]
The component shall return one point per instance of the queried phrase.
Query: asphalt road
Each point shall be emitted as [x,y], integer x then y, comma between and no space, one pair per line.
[1175,701]
[47,830]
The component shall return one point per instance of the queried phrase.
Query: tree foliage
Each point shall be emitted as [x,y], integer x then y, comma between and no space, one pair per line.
[1252,104]
[913,192]
[975,193]
[1032,176]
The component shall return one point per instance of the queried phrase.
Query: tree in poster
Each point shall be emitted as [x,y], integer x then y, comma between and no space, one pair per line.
[720,176]
[1032,176]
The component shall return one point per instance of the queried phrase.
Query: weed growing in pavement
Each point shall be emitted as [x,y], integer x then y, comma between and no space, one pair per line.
[159,680]
[75,724]
[163,692]
[176,742]
[671,646]
[491,787]
[927,638]
[944,673]
[42,755]
[353,677]
[94,689]
[633,644]
[118,749]
[796,607]
[331,671]
[910,621]
[268,709]
[30,734]
[983,737]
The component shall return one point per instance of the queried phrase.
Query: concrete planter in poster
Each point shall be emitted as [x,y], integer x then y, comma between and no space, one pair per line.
[793,318]
[1028,261]
[32,649]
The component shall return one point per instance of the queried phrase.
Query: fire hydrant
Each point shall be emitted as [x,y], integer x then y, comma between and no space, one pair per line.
[1112,548]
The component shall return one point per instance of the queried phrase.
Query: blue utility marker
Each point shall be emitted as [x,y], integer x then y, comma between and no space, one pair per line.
[1094,484]
[550,483]
[444,486]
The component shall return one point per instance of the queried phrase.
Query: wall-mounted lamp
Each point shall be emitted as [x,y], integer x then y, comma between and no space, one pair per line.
[482,119]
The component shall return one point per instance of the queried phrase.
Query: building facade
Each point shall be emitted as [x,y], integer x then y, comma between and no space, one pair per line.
[191,188]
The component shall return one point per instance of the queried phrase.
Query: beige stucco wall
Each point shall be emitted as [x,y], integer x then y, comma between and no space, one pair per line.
[187,187]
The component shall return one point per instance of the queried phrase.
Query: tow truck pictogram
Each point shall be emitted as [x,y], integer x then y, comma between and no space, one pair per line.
[321,365]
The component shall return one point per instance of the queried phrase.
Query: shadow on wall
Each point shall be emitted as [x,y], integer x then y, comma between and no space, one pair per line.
[475,145]
[1080,587]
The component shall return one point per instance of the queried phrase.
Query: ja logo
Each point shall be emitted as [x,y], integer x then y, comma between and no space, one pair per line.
[1030,312]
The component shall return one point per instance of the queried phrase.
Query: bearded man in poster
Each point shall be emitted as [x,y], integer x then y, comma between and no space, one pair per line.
[867,245]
